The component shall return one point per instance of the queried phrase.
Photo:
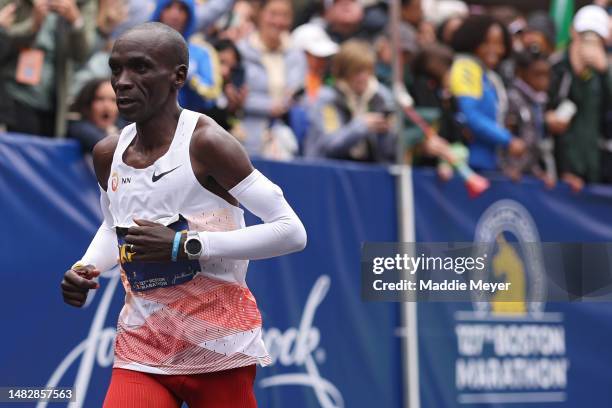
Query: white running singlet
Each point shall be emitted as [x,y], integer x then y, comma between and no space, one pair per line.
[185,319]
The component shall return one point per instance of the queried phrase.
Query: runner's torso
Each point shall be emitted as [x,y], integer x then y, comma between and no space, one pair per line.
[180,318]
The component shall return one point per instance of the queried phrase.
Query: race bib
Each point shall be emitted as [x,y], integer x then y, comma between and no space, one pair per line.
[144,276]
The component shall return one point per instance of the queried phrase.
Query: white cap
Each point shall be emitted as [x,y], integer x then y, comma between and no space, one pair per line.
[592,18]
[313,39]
[442,10]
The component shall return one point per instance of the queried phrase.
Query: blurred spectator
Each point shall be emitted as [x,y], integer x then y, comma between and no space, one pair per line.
[527,103]
[47,37]
[409,48]
[351,120]
[275,72]
[508,16]
[431,89]
[375,18]
[342,19]
[412,12]
[111,13]
[540,33]
[95,67]
[7,16]
[239,24]
[446,30]
[412,18]
[96,114]
[138,12]
[207,13]
[317,45]
[483,43]
[204,81]
[580,95]
[227,110]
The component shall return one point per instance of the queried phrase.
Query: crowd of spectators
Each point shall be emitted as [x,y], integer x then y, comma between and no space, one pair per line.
[293,78]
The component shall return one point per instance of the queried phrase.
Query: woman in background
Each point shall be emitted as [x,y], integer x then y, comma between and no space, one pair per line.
[96,114]
[275,72]
[482,43]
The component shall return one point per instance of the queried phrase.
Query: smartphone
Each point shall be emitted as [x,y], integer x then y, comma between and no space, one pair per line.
[238,76]
[387,113]
[566,110]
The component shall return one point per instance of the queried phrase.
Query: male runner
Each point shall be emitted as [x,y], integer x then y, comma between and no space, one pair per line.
[190,330]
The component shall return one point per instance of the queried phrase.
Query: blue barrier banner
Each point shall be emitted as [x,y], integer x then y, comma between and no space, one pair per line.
[525,352]
[329,348]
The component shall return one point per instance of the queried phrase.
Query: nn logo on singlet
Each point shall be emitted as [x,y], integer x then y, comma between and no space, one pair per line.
[115,179]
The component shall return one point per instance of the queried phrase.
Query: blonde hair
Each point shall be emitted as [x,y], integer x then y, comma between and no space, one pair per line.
[354,56]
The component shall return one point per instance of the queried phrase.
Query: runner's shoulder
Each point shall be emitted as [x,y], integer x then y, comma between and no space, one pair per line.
[215,152]
[103,153]
[207,133]
[210,140]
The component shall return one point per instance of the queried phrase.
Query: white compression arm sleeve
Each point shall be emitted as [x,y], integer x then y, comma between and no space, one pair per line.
[103,251]
[281,233]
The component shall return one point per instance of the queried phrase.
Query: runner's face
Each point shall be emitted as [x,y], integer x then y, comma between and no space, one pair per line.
[141,75]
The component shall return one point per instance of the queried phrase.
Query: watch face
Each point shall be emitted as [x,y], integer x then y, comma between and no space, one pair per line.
[193,246]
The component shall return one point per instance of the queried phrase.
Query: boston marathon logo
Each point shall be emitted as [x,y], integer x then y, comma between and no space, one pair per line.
[510,350]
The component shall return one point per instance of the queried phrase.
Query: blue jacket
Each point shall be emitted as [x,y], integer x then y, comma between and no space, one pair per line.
[190,27]
[477,102]
[204,82]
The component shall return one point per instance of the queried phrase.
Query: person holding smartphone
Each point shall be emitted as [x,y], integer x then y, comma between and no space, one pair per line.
[351,120]
[228,109]
[47,39]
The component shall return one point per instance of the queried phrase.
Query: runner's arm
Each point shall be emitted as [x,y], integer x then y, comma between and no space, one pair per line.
[220,156]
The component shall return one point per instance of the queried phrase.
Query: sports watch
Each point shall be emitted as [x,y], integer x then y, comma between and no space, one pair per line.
[193,246]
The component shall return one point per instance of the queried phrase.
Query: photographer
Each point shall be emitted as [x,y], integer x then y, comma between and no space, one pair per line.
[351,121]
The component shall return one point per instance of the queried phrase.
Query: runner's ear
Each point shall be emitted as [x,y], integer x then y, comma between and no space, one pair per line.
[180,76]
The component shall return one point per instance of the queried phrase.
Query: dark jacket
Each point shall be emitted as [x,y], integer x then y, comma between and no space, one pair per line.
[577,150]
[525,119]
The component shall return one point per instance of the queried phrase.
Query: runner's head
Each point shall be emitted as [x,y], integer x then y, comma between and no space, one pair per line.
[148,65]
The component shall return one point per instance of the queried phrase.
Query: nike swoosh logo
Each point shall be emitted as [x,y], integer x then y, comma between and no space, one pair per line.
[160,175]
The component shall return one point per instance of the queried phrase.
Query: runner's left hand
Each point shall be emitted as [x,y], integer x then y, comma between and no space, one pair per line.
[152,241]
